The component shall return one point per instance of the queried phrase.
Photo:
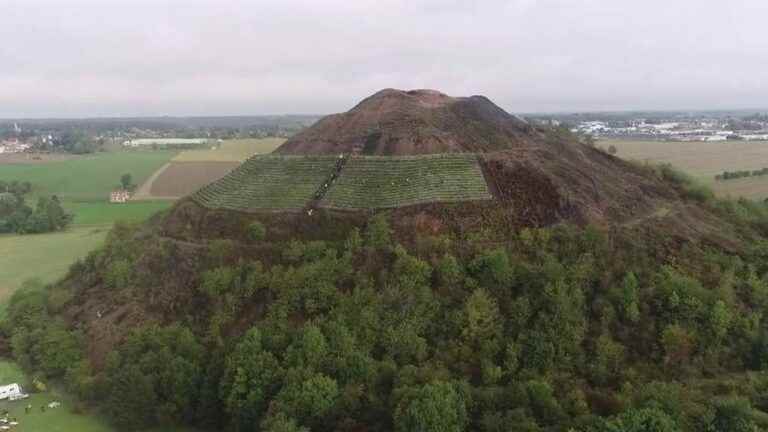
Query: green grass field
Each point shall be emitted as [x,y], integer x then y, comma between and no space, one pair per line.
[268,182]
[83,183]
[45,257]
[100,213]
[60,419]
[10,372]
[90,177]
[236,150]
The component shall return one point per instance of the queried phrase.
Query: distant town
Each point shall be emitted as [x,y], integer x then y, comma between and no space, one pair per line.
[81,136]
[713,126]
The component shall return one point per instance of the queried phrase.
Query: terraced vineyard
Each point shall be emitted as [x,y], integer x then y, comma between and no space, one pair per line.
[268,182]
[387,182]
[289,182]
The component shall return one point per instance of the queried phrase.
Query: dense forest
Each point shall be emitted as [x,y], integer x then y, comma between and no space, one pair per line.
[18,217]
[552,329]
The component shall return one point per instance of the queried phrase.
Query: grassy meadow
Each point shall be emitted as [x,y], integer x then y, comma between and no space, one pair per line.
[89,177]
[703,160]
[45,257]
[236,150]
[83,183]
[61,419]
[89,213]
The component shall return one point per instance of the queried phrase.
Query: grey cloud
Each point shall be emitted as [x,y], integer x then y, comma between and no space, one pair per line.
[115,57]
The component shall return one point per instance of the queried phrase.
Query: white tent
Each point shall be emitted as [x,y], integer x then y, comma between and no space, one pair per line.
[12,392]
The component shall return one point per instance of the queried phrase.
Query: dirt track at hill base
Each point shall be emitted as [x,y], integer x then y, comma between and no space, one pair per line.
[182,178]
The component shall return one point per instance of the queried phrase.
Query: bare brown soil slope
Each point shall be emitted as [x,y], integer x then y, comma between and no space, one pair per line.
[396,122]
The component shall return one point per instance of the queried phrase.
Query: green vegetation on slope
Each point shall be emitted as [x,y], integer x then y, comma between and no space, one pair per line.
[539,330]
[268,182]
[290,182]
[387,182]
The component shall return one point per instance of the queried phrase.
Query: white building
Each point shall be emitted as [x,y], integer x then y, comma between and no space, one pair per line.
[164,141]
[755,137]
[119,196]
[716,138]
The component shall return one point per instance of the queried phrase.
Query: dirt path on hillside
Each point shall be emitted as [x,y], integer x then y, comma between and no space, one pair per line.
[658,213]
[144,191]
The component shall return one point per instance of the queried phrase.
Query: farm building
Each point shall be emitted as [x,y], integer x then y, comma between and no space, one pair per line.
[119,196]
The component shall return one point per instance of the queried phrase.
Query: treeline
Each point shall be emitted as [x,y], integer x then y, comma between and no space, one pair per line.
[73,141]
[18,217]
[559,329]
[730,175]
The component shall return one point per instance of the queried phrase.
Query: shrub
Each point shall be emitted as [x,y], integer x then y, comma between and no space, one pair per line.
[256,231]
[378,232]
[434,407]
[640,420]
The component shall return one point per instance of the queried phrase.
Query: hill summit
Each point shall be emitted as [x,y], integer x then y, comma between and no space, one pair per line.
[421,150]
[398,122]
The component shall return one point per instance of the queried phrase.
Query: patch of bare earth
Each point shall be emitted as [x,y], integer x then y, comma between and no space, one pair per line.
[180,179]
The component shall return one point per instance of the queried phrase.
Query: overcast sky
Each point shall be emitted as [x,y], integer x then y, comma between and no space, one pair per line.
[67,58]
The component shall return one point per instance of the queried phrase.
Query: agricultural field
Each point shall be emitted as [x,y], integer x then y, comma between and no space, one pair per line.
[179,179]
[45,257]
[90,177]
[386,182]
[83,183]
[236,150]
[192,169]
[755,188]
[268,182]
[703,160]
